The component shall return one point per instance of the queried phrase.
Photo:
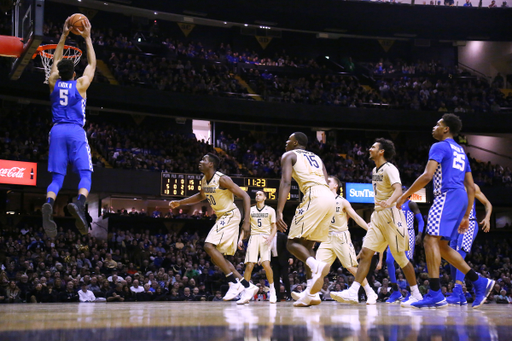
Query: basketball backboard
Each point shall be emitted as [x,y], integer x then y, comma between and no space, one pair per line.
[27,24]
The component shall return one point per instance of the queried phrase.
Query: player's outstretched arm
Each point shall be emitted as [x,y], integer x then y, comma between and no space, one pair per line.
[57,55]
[88,76]
[198,197]
[420,182]
[486,222]
[226,182]
[352,214]
[287,161]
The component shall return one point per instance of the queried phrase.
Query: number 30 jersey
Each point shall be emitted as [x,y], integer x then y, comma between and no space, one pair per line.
[452,168]
[262,220]
[308,170]
[68,106]
[221,200]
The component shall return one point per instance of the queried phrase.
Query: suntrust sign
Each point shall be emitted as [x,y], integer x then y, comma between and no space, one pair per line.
[360,193]
[363,193]
[18,173]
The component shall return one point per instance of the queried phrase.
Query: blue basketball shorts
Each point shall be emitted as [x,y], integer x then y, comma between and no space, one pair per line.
[465,240]
[412,244]
[446,213]
[68,143]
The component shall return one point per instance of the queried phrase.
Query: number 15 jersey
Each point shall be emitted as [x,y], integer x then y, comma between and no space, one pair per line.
[452,168]
[308,170]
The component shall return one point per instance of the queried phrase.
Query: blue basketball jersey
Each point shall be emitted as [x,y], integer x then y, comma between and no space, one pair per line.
[409,215]
[452,168]
[68,106]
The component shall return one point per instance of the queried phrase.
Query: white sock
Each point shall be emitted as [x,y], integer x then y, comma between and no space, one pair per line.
[309,283]
[368,289]
[355,287]
[415,291]
[311,262]
[272,287]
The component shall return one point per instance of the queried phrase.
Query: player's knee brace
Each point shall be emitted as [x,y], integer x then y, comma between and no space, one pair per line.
[56,185]
[401,259]
[85,180]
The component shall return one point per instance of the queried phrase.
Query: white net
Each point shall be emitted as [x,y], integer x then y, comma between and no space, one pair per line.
[46,52]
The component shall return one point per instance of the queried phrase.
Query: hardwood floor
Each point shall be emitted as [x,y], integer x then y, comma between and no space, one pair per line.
[255,321]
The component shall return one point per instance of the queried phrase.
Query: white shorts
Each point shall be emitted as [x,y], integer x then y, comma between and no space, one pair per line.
[314,214]
[388,227]
[257,247]
[338,245]
[224,234]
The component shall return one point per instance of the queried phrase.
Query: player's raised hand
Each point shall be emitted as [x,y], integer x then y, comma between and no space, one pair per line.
[464,225]
[486,225]
[281,225]
[173,204]
[67,27]
[86,33]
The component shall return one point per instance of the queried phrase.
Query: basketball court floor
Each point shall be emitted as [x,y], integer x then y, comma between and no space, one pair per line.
[256,321]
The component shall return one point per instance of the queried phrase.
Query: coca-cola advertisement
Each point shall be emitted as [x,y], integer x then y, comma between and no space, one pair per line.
[18,173]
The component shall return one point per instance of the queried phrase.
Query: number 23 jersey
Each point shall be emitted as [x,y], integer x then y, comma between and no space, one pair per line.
[452,168]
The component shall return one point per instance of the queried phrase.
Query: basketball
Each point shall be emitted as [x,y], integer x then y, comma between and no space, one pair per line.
[77,23]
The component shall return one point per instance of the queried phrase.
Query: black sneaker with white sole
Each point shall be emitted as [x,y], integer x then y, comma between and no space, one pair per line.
[48,224]
[78,212]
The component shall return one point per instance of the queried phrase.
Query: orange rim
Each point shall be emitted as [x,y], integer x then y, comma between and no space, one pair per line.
[41,50]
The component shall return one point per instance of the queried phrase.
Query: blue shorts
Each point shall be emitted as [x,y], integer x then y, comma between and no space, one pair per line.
[412,244]
[465,240]
[68,143]
[446,213]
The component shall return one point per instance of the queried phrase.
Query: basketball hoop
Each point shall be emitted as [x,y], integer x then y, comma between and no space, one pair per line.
[10,46]
[46,52]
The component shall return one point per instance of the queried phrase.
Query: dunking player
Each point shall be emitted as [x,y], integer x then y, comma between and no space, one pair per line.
[464,242]
[387,226]
[312,217]
[263,231]
[339,243]
[411,211]
[449,214]
[68,139]
[219,189]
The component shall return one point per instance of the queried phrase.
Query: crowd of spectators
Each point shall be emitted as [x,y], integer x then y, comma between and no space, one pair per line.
[317,89]
[348,159]
[175,76]
[118,143]
[158,149]
[431,86]
[146,265]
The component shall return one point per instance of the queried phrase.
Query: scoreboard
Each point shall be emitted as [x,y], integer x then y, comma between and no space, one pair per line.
[185,185]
